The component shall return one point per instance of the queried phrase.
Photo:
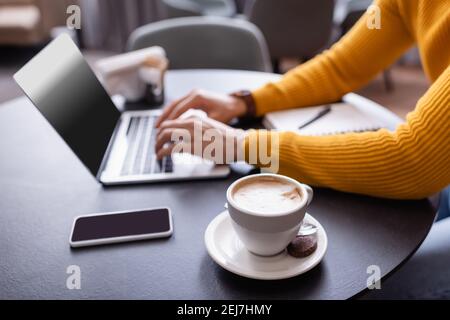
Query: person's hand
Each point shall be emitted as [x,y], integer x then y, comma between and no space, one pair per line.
[206,138]
[220,107]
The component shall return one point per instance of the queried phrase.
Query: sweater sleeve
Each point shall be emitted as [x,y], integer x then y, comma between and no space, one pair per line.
[348,65]
[410,163]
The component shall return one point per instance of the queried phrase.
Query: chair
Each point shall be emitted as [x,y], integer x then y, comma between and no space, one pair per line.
[206,42]
[352,11]
[293,28]
[188,8]
[181,8]
[444,207]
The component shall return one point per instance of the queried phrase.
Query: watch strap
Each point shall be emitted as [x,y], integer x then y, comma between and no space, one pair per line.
[247,97]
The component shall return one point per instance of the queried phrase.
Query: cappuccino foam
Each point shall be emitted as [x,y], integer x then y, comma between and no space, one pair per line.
[267,195]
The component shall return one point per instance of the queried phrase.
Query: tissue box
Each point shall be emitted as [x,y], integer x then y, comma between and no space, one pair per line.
[121,74]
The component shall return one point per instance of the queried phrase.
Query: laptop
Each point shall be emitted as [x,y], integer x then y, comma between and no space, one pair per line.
[117,148]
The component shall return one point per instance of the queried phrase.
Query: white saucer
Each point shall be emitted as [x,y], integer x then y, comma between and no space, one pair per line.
[226,249]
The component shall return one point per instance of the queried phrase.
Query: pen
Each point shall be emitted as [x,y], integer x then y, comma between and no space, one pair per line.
[323,112]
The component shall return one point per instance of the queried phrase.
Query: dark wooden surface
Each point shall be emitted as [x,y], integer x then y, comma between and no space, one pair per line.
[43,187]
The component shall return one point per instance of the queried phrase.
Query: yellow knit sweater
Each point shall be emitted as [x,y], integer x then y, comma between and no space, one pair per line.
[412,162]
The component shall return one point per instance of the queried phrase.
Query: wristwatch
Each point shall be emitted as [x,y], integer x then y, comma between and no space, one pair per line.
[246,96]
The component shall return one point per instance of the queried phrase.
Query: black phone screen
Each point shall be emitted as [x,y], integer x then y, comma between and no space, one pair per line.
[121,224]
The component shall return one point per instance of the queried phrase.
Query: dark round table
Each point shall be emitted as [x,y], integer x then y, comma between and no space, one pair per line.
[43,186]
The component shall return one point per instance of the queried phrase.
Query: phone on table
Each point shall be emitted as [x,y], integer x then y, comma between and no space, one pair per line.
[122,226]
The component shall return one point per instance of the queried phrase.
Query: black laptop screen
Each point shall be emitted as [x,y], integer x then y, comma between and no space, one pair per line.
[63,87]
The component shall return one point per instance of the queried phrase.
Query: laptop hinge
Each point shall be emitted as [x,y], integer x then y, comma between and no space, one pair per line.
[108,150]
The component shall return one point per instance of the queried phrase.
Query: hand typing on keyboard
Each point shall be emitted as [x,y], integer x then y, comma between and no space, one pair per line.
[220,107]
[141,157]
[206,138]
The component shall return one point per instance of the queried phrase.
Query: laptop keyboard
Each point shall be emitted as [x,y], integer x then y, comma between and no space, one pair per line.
[141,157]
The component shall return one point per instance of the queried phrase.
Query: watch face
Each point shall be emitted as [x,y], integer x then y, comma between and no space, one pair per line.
[242,93]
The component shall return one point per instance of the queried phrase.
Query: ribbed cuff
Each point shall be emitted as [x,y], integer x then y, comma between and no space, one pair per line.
[263,99]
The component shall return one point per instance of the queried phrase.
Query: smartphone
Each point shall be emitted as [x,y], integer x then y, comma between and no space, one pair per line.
[123,226]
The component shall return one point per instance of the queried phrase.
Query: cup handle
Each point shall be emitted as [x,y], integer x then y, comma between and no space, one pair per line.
[310,193]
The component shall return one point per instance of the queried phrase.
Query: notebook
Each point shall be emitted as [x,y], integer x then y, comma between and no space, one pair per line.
[341,118]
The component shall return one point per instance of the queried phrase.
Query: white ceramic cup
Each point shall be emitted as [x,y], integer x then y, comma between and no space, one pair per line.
[263,234]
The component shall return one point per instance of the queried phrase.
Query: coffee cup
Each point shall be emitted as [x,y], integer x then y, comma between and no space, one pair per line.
[267,211]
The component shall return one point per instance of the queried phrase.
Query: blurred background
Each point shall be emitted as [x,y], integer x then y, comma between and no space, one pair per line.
[294,30]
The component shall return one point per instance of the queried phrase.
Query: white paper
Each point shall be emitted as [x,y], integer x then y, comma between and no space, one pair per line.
[341,119]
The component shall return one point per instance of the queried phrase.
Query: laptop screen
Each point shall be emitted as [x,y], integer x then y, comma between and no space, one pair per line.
[66,91]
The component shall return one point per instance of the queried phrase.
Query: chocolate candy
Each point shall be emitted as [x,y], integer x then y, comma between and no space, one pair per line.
[302,246]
